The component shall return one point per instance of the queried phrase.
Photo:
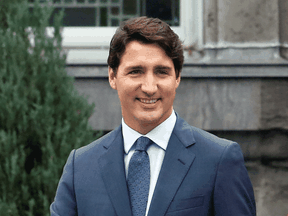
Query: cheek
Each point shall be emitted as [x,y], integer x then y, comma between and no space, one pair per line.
[128,86]
[126,93]
[169,89]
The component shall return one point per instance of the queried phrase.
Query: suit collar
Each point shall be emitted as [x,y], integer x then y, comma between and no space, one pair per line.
[177,162]
[113,173]
[184,132]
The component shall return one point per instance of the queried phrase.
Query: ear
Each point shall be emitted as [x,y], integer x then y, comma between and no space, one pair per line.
[112,78]
[178,80]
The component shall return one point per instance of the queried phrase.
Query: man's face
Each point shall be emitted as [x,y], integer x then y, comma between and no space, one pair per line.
[146,84]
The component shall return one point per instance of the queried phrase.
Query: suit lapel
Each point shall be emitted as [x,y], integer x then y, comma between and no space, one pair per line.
[176,164]
[113,173]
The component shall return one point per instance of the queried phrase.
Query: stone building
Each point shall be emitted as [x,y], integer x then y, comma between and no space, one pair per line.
[234,81]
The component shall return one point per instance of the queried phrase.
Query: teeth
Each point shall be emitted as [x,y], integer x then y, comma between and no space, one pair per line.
[148,101]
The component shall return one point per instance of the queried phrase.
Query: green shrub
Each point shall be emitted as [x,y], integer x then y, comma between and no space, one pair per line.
[42,117]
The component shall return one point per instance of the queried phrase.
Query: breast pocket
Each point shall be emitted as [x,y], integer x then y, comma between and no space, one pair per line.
[183,204]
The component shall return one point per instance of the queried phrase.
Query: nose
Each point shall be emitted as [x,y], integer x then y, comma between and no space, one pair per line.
[149,84]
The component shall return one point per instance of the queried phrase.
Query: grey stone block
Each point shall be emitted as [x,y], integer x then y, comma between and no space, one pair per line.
[248,21]
[283,27]
[259,145]
[249,55]
[249,141]
[274,144]
[274,103]
[270,187]
[220,104]
[107,113]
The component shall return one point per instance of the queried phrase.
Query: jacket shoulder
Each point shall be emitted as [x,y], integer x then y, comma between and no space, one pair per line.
[199,138]
[96,147]
[207,137]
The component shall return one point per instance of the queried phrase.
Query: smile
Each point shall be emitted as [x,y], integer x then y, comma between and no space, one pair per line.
[147,101]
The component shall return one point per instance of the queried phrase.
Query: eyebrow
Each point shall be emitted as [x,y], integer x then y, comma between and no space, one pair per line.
[157,67]
[134,68]
[161,67]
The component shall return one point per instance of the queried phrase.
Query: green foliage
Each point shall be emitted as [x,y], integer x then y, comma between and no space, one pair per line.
[42,117]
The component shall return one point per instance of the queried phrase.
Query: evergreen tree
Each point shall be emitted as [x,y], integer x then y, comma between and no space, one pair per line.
[42,117]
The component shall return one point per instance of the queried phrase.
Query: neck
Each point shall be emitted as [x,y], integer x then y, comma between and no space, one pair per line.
[143,127]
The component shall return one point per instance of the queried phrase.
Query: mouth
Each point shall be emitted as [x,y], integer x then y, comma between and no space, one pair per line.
[148,101]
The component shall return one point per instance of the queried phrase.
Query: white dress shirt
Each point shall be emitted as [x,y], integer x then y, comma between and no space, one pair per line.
[160,136]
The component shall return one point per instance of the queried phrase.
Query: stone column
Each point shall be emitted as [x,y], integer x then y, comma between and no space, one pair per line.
[210,23]
[246,30]
[283,28]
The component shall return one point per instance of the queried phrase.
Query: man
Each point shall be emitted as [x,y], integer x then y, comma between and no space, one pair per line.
[154,163]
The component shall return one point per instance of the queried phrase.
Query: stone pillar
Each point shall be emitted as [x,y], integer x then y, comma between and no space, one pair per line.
[248,22]
[210,17]
[283,28]
[247,31]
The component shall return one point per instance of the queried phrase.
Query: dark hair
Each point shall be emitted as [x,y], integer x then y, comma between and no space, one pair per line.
[148,31]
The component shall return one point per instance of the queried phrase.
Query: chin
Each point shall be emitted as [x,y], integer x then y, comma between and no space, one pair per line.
[149,118]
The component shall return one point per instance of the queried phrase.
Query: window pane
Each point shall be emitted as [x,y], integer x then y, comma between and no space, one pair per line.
[158,8]
[77,16]
[176,18]
[103,16]
[129,7]
[115,22]
[115,10]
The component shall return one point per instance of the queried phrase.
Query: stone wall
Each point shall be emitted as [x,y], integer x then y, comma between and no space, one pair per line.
[250,110]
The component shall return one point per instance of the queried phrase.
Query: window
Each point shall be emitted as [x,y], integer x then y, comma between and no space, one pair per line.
[90,24]
[84,13]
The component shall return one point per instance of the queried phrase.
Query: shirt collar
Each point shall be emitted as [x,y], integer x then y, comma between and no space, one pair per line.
[159,135]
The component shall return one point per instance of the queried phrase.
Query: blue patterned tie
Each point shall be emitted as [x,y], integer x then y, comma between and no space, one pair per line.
[139,177]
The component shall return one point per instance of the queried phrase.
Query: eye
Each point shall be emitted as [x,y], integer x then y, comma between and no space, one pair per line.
[162,72]
[135,72]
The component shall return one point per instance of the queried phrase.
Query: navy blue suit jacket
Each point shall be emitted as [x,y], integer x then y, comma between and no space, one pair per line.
[201,175]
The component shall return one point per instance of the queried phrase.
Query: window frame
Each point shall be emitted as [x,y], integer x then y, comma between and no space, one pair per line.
[90,45]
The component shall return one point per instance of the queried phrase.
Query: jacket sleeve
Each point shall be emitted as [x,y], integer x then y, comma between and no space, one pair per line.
[233,194]
[65,203]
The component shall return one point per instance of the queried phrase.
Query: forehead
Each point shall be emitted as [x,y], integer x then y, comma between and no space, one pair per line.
[137,52]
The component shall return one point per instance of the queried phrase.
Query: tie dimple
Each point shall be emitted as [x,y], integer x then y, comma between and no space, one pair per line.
[142,143]
[139,177]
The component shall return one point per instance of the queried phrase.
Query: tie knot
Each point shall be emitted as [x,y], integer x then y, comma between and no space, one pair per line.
[142,143]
